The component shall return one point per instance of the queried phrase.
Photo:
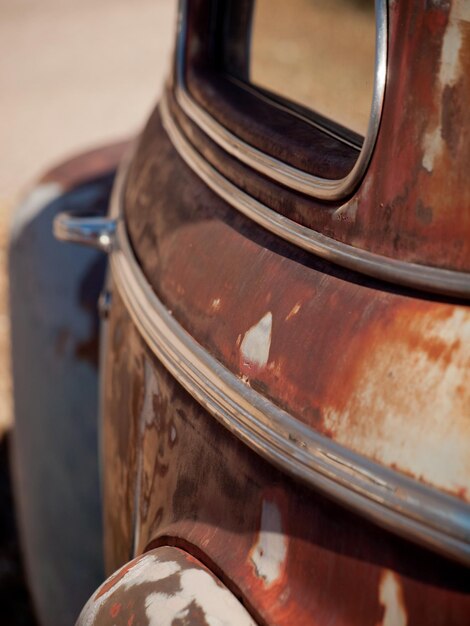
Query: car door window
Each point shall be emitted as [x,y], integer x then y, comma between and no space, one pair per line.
[319,54]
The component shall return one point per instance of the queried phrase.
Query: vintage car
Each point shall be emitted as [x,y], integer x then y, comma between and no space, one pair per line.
[284,347]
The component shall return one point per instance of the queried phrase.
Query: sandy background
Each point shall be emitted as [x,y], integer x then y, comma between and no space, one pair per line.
[72,75]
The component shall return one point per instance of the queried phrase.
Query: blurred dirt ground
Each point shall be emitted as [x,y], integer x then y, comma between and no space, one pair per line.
[73,75]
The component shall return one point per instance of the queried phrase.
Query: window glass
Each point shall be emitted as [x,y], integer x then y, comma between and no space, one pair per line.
[319,54]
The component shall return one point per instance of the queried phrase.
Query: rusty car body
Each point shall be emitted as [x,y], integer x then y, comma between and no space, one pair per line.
[285,397]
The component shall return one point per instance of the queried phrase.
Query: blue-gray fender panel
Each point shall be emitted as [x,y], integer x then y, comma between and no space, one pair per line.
[53,293]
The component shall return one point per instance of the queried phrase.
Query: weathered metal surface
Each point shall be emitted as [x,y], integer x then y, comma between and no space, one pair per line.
[382,372]
[164,587]
[55,331]
[288,553]
[394,501]
[451,283]
[121,452]
[414,202]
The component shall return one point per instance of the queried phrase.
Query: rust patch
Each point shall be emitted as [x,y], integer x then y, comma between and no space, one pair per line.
[90,287]
[380,372]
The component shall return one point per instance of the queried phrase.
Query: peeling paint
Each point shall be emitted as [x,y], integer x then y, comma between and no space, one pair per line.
[158,590]
[198,588]
[404,412]
[449,75]
[270,551]
[450,55]
[142,570]
[391,598]
[432,148]
[257,342]
[329,550]
[149,569]
[147,416]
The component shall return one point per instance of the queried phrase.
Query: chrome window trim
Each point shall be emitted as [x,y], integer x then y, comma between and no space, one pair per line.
[392,500]
[322,188]
[432,279]
[282,107]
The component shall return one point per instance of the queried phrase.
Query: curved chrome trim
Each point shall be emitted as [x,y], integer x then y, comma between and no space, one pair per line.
[433,279]
[322,188]
[392,500]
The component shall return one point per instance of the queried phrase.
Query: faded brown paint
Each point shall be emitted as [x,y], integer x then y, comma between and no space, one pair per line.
[378,370]
[320,563]
[122,444]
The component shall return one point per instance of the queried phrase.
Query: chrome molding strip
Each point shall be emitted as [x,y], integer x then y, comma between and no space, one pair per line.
[322,188]
[392,500]
[432,279]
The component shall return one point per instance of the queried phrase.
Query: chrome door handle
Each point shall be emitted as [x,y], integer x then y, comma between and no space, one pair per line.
[93,231]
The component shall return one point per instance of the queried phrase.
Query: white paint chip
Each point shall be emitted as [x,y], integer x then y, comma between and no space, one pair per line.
[391,598]
[148,569]
[432,148]
[195,586]
[147,416]
[218,605]
[269,552]
[450,54]
[449,73]
[257,342]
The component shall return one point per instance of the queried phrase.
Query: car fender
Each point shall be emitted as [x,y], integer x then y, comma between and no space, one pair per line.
[54,341]
[162,587]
